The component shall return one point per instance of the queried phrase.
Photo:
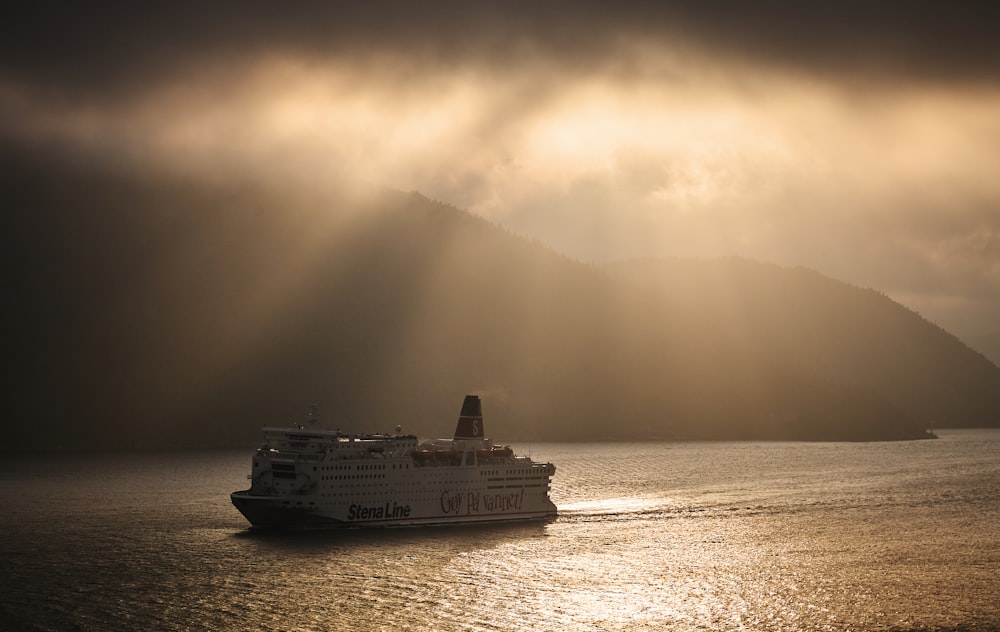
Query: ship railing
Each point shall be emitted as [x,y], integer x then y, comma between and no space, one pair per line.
[292,455]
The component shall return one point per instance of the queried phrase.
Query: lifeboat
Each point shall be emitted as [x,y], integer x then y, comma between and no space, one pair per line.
[496,451]
[423,455]
[444,455]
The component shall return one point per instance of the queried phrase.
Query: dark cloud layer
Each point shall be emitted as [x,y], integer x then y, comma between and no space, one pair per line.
[857,138]
[102,46]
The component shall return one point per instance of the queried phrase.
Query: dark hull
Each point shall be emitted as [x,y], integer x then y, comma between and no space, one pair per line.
[287,512]
[280,512]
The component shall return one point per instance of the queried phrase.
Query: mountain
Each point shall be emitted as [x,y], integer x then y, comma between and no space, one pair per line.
[151,309]
[814,325]
[986,343]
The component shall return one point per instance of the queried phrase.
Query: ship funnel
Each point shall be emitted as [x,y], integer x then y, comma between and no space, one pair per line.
[470,420]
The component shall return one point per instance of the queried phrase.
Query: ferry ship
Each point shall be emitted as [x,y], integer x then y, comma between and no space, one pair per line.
[306,477]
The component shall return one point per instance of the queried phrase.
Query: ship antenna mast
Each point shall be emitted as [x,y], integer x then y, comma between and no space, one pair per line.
[312,415]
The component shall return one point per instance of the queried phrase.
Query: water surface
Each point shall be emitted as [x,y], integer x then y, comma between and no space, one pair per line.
[685,536]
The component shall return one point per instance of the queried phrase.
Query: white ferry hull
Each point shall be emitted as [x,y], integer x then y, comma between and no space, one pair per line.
[278,512]
[309,478]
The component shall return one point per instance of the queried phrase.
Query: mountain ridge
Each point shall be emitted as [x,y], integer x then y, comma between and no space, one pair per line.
[168,310]
[875,340]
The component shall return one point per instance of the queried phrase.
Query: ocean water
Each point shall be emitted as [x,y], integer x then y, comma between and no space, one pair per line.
[651,536]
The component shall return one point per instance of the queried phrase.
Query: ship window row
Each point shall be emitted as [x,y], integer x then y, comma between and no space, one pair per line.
[522,472]
[401,498]
[346,486]
[370,489]
[347,478]
[446,476]
[361,467]
[416,497]
[357,490]
[362,491]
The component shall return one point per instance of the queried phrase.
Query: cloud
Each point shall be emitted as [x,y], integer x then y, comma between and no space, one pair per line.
[856,138]
[114,46]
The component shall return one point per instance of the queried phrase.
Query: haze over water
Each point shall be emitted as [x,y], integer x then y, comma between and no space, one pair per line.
[685,536]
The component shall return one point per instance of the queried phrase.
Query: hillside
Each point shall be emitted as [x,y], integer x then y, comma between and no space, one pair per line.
[151,310]
[987,344]
[819,326]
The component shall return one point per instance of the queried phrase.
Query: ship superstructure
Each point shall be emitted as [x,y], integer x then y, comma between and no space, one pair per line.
[308,477]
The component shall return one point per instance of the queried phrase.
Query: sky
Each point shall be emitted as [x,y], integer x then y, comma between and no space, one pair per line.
[860,139]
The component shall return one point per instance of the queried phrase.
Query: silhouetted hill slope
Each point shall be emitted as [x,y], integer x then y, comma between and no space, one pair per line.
[987,344]
[148,309]
[819,326]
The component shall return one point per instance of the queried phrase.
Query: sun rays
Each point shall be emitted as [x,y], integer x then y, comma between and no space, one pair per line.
[656,147]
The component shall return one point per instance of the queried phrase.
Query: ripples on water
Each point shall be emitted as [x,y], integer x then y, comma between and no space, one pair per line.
[698,536]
